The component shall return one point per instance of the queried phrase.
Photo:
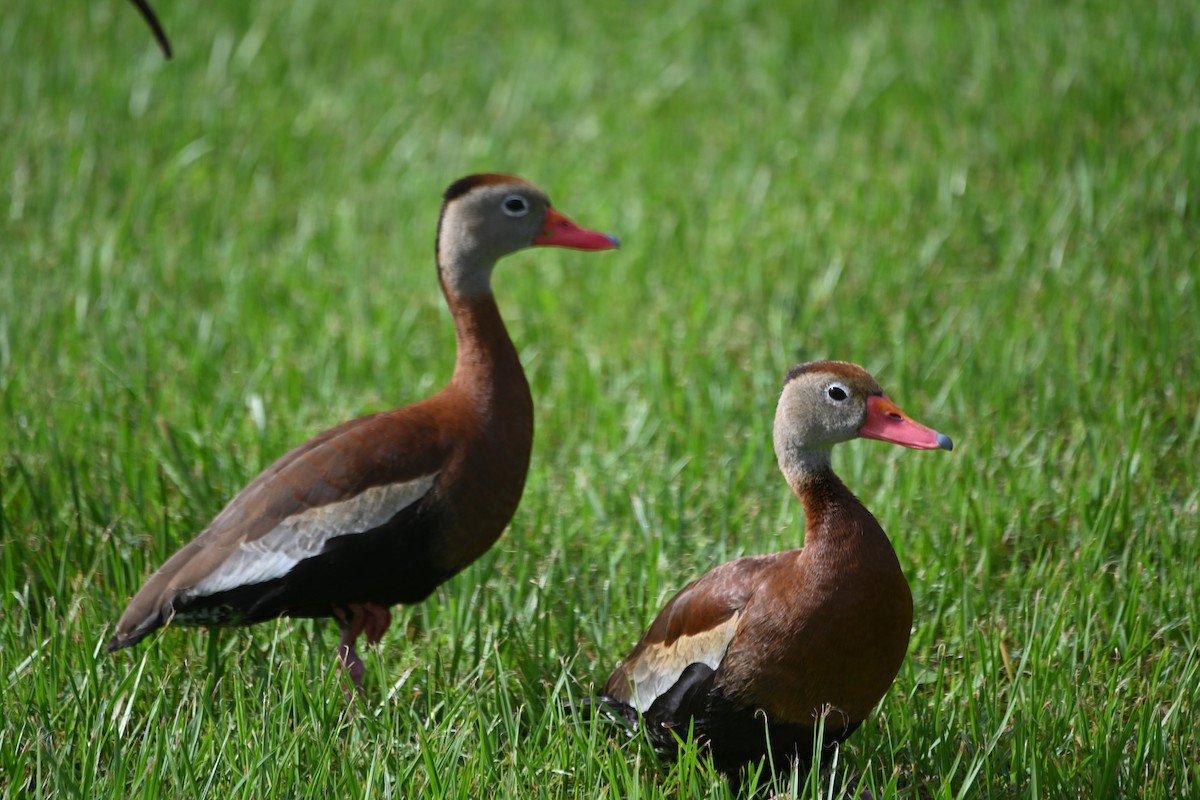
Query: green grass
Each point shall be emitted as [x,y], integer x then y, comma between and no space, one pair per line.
[994,207]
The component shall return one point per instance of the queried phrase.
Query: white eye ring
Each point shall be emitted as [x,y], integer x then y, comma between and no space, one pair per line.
[837,392]
[515,206]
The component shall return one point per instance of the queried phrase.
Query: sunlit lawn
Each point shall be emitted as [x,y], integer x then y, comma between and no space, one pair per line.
[204,261]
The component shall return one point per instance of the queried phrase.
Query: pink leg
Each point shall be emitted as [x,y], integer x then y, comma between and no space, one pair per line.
[379,618]
[371,618]
[351,626]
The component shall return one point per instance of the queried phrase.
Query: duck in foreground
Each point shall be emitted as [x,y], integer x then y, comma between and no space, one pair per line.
[382,509]
[756,652]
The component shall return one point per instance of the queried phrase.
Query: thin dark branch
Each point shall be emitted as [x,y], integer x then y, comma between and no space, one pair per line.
[152,20]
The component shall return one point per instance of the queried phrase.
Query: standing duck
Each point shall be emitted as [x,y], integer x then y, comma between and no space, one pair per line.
[382,509]
[787,638]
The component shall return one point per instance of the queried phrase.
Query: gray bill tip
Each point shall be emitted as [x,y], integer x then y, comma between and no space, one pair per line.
[944,442]
[616,242]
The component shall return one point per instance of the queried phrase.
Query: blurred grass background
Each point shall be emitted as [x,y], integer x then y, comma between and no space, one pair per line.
[991,206]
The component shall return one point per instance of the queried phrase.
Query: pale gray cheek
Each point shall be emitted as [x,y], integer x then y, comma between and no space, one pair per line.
[305,535]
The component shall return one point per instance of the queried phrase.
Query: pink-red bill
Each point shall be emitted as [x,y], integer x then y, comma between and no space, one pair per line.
[561,232]
[886,422]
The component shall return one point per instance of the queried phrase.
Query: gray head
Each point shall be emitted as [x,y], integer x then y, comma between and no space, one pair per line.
[827,402]
[486,217]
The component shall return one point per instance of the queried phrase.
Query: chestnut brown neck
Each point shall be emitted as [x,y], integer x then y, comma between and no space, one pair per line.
[487,368]
[488,413]
[833,516]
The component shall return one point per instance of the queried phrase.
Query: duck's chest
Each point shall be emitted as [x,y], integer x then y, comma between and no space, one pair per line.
[481,486]
[835,639]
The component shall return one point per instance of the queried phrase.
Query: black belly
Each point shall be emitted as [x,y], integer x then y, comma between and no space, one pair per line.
[736,736]
[387,565]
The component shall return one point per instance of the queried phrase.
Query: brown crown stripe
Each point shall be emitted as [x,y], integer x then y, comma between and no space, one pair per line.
[464,185]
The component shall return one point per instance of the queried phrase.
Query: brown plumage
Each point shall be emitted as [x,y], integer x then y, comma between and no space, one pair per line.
[790,637]
[382,509]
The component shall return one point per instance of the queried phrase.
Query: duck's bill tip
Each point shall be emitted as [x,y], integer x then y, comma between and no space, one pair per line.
[945,442]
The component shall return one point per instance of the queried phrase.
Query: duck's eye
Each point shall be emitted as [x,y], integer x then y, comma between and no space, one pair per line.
[515,206]
[837,392]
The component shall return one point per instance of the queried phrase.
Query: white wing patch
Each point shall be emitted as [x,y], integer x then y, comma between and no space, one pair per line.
[304,535]
[658,667]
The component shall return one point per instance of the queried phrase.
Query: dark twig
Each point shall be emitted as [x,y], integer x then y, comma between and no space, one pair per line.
[152,20]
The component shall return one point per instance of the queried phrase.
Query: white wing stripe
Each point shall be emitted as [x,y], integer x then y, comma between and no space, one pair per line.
[304,535]
[658,668]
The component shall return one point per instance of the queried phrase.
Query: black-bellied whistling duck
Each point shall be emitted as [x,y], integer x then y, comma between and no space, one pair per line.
[382,509]
[788,637]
